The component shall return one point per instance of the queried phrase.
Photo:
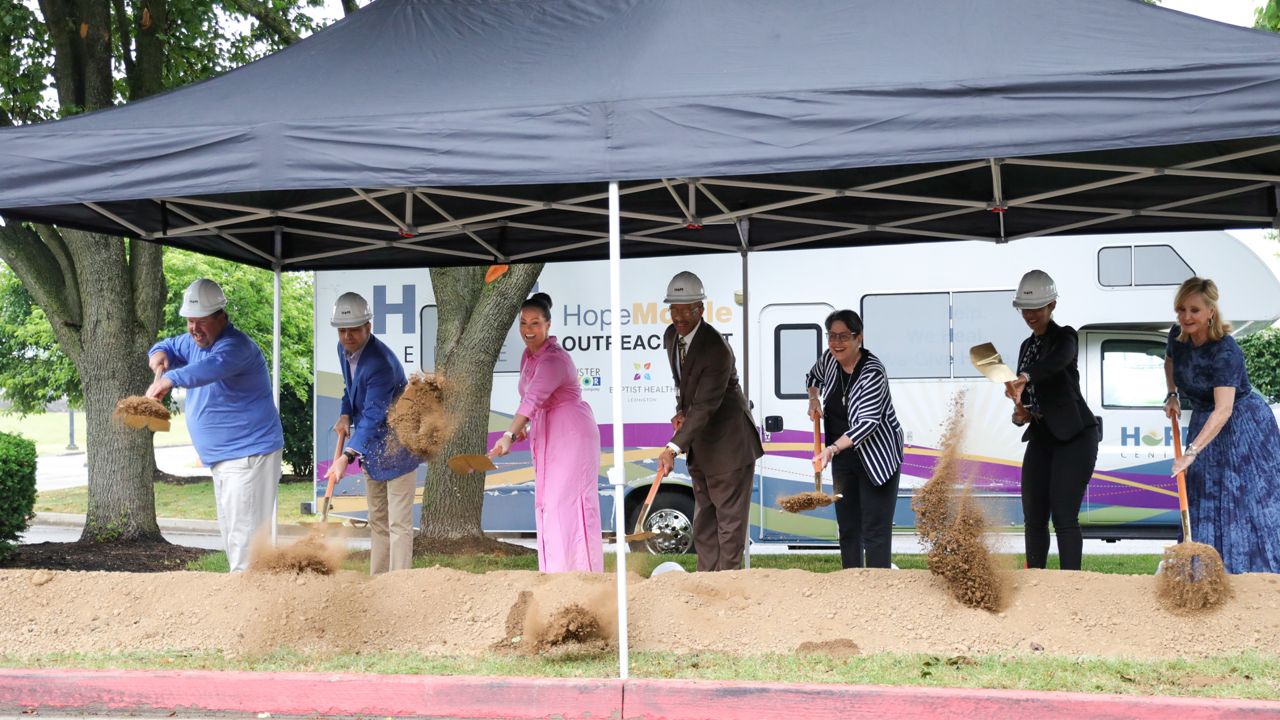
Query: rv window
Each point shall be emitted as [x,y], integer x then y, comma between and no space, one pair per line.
[1132,374]
[795,349]
[1115,266]
[1158,265]
[981,317]
[910,333]
[429,322]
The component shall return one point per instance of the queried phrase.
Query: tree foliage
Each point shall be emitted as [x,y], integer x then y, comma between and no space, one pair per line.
[33,369]
[1262,361]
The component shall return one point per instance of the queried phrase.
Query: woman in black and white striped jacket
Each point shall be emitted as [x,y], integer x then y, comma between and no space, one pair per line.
[849,391]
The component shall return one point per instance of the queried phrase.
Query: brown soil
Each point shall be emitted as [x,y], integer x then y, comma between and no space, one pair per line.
[952,526]
[1192,578]
[740,613]
[811,500]
[124,557]
[314,553]
[419,418]
[141,407]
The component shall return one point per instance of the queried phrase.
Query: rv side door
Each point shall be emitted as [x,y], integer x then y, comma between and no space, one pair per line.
[1131,493]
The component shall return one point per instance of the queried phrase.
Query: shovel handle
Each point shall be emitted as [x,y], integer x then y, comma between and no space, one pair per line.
[1182,484]
[648,500]
[328,491]
[817,450]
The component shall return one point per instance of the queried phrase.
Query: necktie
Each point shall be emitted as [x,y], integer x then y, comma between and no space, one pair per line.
[680,350]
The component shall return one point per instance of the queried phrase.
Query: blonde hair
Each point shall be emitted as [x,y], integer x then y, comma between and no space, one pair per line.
[1208,290]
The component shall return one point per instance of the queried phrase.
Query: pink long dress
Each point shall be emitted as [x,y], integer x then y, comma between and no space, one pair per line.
[566,461]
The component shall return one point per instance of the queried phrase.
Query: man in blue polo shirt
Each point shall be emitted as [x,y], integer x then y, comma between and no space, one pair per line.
[230,413]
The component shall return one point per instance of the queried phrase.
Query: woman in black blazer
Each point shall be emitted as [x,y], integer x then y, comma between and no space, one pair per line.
[1062,432]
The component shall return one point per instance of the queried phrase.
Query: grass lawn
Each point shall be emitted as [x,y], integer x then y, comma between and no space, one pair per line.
[49,431]
[1247,675]
[193,501]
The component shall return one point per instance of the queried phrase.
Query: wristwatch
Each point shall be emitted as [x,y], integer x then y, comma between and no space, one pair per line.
[509,435]
[351,455]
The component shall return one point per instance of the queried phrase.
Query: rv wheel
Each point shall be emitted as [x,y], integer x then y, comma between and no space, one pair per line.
[671,517]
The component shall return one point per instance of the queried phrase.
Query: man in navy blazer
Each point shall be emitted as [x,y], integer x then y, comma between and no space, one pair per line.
[372,379]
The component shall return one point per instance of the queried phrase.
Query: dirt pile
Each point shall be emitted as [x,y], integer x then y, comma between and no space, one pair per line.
[438,611]
[419,419]
[952,526]
[801,502]
[1192,578]
[573,628]
[141,412]
[312,554]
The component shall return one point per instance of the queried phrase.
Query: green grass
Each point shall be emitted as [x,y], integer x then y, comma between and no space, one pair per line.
[192,501]
[644,564]
[1247,675]
[49,431]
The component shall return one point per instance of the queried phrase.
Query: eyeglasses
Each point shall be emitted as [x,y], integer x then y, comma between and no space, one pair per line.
[841,337]
[686,310]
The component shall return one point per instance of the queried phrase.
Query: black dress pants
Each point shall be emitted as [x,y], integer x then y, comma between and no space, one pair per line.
[1055,474]
[864,515]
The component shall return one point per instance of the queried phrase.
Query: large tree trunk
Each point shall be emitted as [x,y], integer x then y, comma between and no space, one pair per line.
[474,319]
[123,297]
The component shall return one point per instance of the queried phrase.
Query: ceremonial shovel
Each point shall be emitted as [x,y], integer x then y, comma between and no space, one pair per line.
[640,534]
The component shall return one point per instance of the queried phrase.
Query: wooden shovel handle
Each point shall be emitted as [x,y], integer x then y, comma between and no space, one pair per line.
[1182,483]
[817,450]
[648,500]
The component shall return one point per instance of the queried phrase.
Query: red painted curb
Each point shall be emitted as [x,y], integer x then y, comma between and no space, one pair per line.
[302,694]
[701,700]
[424,696]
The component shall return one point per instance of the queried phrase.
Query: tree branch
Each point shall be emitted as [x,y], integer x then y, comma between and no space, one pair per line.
[24,251]
[146,266]
[63,33]
[267,19]
[153,22]
[95,36]
[349,7]
[126,40]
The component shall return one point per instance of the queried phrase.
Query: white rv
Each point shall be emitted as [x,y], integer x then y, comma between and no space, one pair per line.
[923,307]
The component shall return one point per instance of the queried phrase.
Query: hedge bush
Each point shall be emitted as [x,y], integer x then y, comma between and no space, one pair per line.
[17,488]
[1262,360]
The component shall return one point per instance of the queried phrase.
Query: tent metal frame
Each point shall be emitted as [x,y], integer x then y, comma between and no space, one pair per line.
[404,231]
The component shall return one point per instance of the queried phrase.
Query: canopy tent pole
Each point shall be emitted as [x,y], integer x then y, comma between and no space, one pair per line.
[617,477]
[275,356]
[744,234]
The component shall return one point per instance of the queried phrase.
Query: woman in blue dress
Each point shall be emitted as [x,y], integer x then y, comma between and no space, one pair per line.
[1232,458]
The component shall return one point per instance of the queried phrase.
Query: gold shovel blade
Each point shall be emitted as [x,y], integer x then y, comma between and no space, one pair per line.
[463,464]
[986,360]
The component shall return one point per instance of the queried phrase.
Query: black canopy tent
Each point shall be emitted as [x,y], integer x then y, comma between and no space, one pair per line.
[472,131]
[419,133]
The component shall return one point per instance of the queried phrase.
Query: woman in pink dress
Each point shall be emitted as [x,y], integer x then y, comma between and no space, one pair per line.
[565,441]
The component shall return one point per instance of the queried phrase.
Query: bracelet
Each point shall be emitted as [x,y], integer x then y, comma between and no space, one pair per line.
[509,435]
[834,449]
[1192,450]
[1172,394]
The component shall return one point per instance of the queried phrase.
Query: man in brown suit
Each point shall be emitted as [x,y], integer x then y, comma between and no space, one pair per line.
[713,425]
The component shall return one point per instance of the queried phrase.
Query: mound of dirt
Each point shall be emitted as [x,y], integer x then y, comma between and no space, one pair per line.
[419,419]
[952,526]
[800,502]
[312,554]
[1192,578]
[140,557]
[438,611]
[139,406]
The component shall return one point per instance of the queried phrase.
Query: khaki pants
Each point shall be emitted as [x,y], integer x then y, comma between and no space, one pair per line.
[245,492]
[390,523]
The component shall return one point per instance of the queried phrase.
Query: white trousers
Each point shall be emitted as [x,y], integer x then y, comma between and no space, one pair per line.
[245,490]
[390,522]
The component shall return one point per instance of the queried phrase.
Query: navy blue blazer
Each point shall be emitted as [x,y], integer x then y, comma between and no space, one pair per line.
[366,399]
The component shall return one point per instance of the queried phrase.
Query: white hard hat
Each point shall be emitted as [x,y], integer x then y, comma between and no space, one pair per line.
[351,310]
[685,287]
[1036,290]
[202,298]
